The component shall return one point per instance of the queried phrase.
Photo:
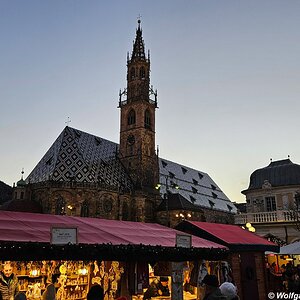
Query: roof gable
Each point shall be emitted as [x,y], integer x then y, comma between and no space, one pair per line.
[83,157]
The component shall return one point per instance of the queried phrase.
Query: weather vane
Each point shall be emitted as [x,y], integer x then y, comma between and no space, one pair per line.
[68,121]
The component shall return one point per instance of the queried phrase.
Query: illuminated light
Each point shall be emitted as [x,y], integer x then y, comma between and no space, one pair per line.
[289,259]
[189,215]
[70,207]
[177,215]
[248,225]
[157,187]
[243,227]
[181,215]
[34,272]
[251,229]
[83,271]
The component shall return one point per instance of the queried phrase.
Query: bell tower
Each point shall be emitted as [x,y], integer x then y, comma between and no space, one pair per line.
[137,124]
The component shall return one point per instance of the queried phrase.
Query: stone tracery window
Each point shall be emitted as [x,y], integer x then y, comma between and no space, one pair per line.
[60,205]
[85,209]
[147,119]
[131,117]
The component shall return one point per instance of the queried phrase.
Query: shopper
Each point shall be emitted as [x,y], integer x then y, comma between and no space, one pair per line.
[229,290]
[8,282]
[20,296]
[95,293]
[50,291]
[212,291]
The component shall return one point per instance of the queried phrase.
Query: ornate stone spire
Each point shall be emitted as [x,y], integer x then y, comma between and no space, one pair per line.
[138,45]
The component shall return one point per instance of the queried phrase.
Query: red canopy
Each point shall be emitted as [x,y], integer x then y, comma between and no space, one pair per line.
[31,227]
[233,236]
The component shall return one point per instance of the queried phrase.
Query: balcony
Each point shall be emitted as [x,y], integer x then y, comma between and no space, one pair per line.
[264,217]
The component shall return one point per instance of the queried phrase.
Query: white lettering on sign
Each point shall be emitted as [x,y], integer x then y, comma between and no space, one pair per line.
[183,240]
[63,235]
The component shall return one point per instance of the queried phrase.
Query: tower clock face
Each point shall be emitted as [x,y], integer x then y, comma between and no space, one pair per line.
[131,139]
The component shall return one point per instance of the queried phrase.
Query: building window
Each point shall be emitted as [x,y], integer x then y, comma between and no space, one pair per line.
[125,211]
[142,73]
[195,181]
[84,209]
[60,206]
[270,203]
[213,187]
[200,175]
[22,195]
[132,73]
[131,117]
[147,119]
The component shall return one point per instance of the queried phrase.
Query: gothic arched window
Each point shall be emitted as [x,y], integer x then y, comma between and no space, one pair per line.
[142,73]
[125,211]
[131,117]
[84,209]
[132,73]
[60,206]
[147,119]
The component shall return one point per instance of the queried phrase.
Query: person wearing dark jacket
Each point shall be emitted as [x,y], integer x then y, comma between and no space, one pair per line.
[9,286]
[212,291]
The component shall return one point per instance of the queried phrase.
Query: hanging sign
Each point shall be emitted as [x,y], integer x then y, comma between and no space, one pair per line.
[183,240]
[64,235]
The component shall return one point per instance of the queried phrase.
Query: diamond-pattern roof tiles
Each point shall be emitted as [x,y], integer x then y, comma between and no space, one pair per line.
[80,156]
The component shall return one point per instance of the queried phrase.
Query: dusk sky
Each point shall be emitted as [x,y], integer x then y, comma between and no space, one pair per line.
[227,75]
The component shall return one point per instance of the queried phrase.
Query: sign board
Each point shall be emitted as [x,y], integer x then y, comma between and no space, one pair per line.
[183,240]
[63,235]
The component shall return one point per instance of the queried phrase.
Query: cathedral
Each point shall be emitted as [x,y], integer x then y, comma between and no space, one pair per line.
[85,175]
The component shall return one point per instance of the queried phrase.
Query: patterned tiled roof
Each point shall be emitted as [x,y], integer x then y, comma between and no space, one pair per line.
[196,186]
[80,156]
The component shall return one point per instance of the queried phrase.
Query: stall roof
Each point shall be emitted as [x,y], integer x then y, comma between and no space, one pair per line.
[233,236]
[19,227]
[292,249]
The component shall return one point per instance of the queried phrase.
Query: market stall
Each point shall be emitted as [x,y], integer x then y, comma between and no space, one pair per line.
[85,251]
[247,259]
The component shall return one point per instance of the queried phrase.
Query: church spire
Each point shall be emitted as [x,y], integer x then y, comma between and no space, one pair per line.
[138,52]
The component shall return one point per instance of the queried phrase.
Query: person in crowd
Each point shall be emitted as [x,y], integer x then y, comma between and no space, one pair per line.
[8,282]
[229,290]
[50,291]
[151,291]
[212,291]
[21,296]
[95,293]
[163,286]
[158,288]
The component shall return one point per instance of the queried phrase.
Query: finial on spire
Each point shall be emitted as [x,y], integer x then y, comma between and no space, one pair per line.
[271,159]
[68,121]
[22,172]
[139,19]
[288,156]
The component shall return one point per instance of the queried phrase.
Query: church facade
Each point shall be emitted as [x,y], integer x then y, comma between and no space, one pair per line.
[85,175]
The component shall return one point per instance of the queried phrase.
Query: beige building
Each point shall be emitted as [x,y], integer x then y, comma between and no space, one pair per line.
[271,201]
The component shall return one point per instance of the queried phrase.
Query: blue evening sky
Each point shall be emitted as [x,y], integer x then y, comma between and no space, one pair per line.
[227,74]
